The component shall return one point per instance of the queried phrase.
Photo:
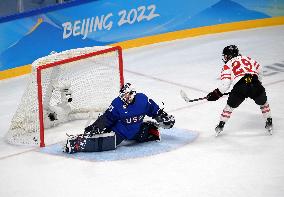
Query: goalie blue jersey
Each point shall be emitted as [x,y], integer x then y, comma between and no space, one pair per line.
[126,120]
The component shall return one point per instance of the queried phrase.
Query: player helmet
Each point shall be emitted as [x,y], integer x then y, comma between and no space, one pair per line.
[230,52]
[127,93]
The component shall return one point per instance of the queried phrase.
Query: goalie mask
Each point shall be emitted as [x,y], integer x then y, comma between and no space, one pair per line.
[230,52]
[127,93]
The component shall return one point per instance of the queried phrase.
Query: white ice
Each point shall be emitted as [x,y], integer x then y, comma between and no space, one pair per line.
[243,161]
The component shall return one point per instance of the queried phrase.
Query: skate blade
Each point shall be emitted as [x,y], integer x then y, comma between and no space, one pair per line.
[269,130]
[217,132]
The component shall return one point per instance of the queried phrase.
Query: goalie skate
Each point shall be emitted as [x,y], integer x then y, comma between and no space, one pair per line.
[219,128]
[268,126]
[71,144]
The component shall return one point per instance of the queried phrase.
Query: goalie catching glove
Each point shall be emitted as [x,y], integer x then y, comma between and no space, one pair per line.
[165,120]
[214,95]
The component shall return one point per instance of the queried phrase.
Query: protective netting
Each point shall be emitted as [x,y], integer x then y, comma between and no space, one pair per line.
[94,82]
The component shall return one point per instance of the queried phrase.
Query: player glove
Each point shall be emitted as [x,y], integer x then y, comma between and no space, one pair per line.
[165,120]
[214,95]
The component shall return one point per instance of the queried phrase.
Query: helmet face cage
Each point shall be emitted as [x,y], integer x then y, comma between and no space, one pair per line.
[230,52]
[127,93]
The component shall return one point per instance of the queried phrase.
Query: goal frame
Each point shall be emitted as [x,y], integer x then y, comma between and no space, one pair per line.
[72,59]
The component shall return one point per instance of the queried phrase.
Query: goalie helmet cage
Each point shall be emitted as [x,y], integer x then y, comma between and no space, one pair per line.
[95,75]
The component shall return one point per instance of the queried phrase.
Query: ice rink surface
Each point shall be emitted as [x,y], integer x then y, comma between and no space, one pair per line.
[243,161]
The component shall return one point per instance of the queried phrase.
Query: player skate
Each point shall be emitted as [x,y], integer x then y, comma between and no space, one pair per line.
[268,125]
[219,128]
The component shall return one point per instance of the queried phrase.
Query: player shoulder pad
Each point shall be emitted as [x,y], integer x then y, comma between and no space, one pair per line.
[116,102]
[141,97]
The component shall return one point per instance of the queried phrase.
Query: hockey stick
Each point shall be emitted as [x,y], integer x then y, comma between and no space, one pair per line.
[185,97]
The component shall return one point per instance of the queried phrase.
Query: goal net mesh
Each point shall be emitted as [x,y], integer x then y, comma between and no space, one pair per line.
[94,75]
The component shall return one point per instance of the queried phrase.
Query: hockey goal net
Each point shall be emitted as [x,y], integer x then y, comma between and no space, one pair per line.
[94,75]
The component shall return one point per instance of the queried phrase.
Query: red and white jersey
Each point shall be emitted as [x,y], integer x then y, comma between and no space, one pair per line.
[235,69]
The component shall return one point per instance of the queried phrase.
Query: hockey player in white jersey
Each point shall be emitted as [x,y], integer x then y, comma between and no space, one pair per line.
[245,75]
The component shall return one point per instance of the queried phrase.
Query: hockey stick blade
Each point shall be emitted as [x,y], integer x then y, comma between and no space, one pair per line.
[185,97]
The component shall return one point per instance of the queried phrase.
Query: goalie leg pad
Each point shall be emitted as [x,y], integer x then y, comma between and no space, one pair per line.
[100,142]
[148,132]
[95,143]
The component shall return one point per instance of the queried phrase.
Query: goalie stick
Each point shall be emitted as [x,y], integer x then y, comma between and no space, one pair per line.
[185,97]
